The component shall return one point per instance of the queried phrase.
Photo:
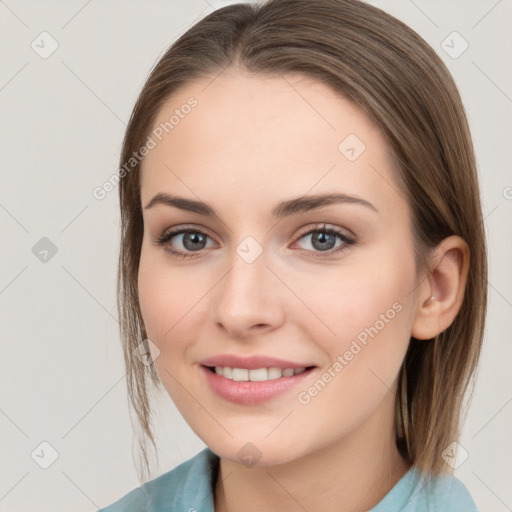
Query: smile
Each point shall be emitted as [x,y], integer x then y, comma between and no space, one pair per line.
[256,375]
[252,386]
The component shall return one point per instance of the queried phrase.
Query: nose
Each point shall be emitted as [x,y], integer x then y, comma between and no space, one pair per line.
[248,299]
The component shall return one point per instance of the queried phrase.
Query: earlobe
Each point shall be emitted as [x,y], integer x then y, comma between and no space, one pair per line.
[442,291]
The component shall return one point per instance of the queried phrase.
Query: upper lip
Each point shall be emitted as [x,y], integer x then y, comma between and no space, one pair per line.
[251,362]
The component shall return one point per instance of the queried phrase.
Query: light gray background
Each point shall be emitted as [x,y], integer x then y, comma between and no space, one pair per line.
[62,122]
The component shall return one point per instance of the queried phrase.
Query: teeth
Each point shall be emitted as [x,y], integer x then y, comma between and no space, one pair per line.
[240,374]
[275,373]
[256,375]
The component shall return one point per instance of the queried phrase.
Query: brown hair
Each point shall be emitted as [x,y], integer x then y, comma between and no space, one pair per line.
[399,81]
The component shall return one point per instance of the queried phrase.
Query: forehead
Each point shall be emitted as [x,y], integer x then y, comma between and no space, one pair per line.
[260,139]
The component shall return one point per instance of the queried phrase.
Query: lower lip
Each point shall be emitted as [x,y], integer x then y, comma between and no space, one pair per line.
[248,392]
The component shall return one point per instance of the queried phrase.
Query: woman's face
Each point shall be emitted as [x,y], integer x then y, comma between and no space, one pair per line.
[259,288]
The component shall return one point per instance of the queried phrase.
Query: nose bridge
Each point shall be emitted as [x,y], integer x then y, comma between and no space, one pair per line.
[247,279]
[247,295]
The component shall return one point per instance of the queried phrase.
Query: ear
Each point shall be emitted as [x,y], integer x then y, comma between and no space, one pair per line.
[442,291]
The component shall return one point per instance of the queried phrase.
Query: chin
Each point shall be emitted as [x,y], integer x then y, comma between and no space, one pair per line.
[255,453]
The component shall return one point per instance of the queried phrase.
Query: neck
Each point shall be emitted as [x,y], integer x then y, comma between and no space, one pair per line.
[355,472]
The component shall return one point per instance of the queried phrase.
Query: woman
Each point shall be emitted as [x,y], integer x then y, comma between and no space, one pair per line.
[303,255]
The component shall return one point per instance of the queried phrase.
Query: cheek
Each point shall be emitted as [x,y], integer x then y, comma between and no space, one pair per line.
[152,299]
[164,315]
[173,305]
[369,305]
[370,316]
[161,303]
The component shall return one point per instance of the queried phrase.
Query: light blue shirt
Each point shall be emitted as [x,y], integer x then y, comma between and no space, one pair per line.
[189,488]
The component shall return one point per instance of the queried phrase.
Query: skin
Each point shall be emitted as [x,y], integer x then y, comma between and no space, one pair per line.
[250,143]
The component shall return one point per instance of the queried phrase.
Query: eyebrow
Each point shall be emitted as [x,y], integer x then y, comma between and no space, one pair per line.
[284,209]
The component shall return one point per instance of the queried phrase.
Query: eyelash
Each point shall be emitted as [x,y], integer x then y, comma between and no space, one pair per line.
[348,241]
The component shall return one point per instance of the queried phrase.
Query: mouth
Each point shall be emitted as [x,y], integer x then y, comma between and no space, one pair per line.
[256,374]
[252,386]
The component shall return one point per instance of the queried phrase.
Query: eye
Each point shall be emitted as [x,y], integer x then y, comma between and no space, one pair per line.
[323,240]
[190,239]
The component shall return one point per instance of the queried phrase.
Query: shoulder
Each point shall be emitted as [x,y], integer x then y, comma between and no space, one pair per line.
[417,492]
[444,493]
[449,494]
[186,487]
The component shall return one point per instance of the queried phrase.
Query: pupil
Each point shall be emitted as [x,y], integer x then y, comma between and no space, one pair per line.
[320,237]
[191,239]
